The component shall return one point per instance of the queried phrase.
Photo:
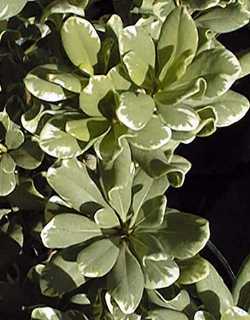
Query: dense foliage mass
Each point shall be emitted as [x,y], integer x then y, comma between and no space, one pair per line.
[95,99]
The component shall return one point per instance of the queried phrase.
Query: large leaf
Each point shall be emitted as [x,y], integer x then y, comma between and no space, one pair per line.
[14,138]
[178,41]
[71,181]
[153,136]
[226,19]
[81,43]
[91,96]
[67,229]
[163,314]
[135,110]
[125,281]
[60,276]
[230,108]
[214,293]
[8,182]
[138,51]
[98,258]
[11,8]
[117,180]
[241,290]
[183,235]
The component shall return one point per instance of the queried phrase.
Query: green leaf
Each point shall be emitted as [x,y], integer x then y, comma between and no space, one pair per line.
[119,81]
[106,218]
[117,181]
[244,60]
[11,8]
[219,67]
[241,289]
[135,110]
[159,271]
[163,314]
[91,96]
[125,281]
[70,179]
[14,138]
[60,276]
[56,142]
[198,5]
[46,313]
[98,258]
[67,229]
[87,129]
[138,51]
[51,83]
[177,170]
[214,293]
[179,117]
[62,7]
[153,136]
[203,315]
[151,214]
[193,270]
[178,303]
[230,108]
[178,38]
[221,20]
[235,313]
[80,299]
[7,163]
[29,156]
[8,182]
[183,235]
[81,43]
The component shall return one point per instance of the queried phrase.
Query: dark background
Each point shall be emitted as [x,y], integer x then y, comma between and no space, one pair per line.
[218,185]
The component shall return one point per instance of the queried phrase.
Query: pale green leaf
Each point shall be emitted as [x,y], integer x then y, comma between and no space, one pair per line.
[179,117]
[178,38]
[81,43]
[153,136]
[214,294]
[14,138]
[135,110]
[96,90]
[98,258]
[106,218]
[203,315]
[183,235]
[230,108]
[138,51]
[193,270]
[163,314]
[70,179]
[244,60]
[11,8]
[8,182]
[235,313]
[46,313]
[7,163]
[125,281]
[67,229]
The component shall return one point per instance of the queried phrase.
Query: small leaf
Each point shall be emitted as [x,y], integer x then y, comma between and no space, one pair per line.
[179,117]
[98,258]
[135,111]
[106,218]
[96,90]
[138,51]
[244,60]
[203,315]
[125,281]
[230,108]
[71,181]
[183,235]
[46,313]
[8,182]
[214,294]
[153,136]
[67,229]
[193,270]
[81,43]
[14,138]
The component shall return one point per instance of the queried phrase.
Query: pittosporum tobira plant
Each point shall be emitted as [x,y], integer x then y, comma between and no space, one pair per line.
[90,123]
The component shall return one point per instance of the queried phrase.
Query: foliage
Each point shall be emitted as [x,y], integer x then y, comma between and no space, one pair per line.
[95,101]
